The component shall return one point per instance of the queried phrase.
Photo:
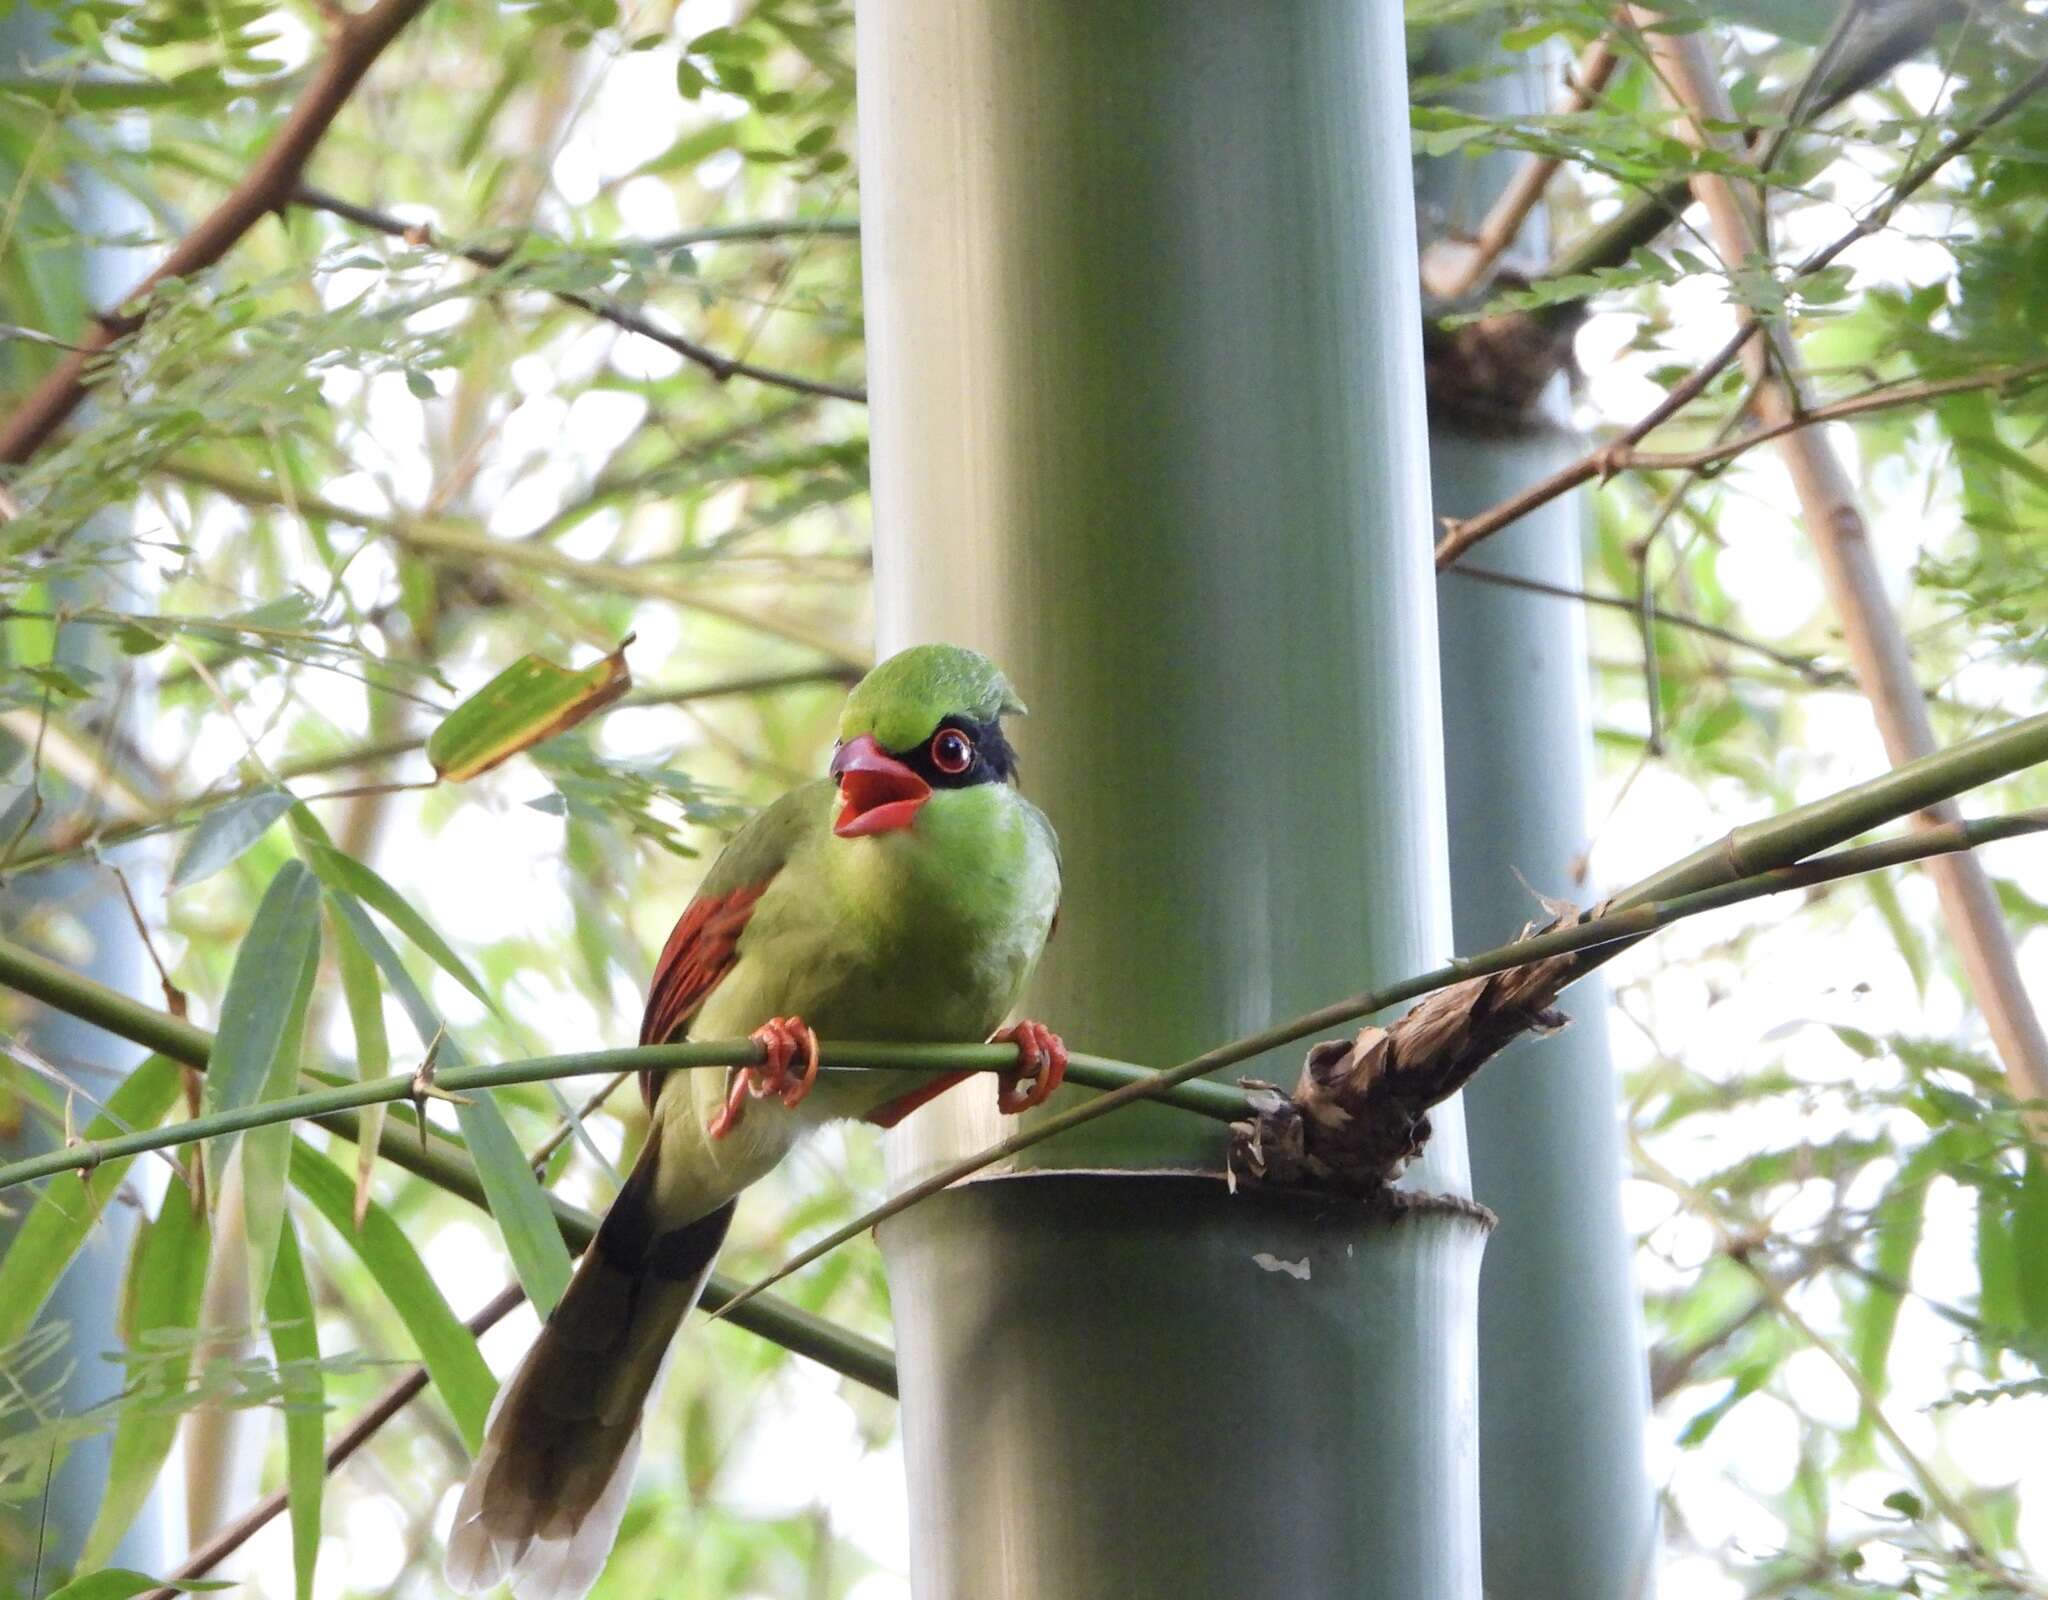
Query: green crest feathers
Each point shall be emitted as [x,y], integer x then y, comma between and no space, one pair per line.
[907,696]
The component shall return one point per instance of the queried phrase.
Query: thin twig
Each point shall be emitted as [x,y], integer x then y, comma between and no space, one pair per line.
[720,367]
[1879,397]
[1806,666]
[357,42]
[145,823]
[1461,534]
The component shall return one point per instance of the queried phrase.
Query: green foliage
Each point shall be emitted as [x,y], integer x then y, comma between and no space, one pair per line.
[333,491]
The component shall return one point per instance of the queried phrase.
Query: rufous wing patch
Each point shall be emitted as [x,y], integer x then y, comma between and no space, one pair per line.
[700,951]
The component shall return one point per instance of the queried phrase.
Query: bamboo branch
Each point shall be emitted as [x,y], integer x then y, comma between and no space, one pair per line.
[720,367]
[445,1166]
[1205,1099]
[1461,534]
[358,39]
[1879,397]
[1834,519]
[1756,858]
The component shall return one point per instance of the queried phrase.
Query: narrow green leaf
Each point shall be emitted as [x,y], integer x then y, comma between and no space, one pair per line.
[166,1279]
[1998,1288]
[365,997]
[520,1208]
[256,1013]
[1897,1226]
[122,1583]
[343,872]
[446,1347]
[2030,1244]
[531,700]
[266,1151]
[295,1340]
[64,1213]
[225,833]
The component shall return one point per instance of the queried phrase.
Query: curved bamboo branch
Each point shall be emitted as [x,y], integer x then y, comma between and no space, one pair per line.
[1757,858]
[1095,1072]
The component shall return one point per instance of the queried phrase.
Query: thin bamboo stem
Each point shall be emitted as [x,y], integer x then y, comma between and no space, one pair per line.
[1212,1100]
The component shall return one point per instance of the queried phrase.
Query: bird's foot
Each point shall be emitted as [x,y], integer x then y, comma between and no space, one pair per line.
[1040,1069]
[782,1040]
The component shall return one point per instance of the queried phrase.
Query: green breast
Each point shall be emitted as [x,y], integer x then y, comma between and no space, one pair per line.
[923,934]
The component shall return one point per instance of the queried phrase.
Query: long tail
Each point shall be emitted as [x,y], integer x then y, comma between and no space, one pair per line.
[543,1502]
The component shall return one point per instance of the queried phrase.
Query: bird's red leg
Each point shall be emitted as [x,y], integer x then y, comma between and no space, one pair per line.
[1040,1069]
[782,1040]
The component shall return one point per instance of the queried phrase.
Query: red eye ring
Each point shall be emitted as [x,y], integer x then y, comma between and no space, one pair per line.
[952,751]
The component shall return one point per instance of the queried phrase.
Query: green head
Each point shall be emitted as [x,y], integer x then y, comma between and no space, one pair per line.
[904,699]
[927,719]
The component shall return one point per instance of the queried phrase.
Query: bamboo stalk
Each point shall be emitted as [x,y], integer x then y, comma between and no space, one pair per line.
[1834,520]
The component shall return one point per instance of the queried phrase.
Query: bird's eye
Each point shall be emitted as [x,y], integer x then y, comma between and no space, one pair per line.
[952,751]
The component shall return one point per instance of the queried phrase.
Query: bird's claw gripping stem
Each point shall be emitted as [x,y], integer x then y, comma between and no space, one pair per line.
[782,1039]
[1040,1069]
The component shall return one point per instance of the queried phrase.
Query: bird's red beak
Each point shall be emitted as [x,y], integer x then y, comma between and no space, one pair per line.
[879,792]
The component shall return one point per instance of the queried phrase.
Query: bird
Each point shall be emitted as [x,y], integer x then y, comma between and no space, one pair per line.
[904,897]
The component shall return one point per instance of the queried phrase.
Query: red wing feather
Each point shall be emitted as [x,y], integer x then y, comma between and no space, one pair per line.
[699,952]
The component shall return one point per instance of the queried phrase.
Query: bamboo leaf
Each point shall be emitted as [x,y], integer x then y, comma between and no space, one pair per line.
[446,1347]
[531,700]
[520,1208]
[1898,1221]
[2030,1243]
[1998,1289]
[166,1278]
[223,835]
[256,1012]
[345,873]
[266,1152]
[64,1213]
[295,1340]
[365,997]
[122,1583]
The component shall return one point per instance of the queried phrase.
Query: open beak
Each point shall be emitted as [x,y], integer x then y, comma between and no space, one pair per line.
[878,792]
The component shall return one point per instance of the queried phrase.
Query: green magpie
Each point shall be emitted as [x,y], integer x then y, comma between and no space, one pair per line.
[906,897]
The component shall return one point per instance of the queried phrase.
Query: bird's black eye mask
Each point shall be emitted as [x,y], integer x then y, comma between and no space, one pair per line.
[962,753]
